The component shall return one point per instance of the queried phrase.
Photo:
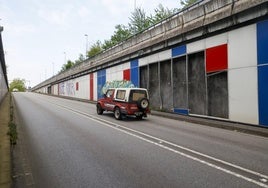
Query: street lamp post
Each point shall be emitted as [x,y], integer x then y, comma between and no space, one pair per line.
[64,57]
[53,68]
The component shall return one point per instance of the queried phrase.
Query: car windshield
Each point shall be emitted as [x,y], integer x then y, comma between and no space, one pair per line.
[135,95]
[110,92]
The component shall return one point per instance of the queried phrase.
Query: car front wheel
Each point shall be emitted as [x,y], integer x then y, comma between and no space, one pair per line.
[117,113]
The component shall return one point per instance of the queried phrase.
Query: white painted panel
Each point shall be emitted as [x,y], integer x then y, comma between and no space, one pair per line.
[113,76]
[164,55]
[126,66]
[119,73]
[243,96]
[242,47]
[242,75]
[216,40]
[161,56]
[114,73]
[83,89]
[195,46]
[109,74]
[95,94]
[55,89]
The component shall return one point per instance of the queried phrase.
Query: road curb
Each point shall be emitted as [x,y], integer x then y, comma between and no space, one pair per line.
[223,124]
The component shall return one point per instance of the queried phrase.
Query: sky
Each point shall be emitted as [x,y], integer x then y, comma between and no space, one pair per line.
[40,35]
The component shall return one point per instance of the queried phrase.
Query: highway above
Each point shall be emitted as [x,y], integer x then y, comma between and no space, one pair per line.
[64,143]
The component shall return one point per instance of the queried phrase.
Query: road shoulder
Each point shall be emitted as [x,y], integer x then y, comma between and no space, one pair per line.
[5,161]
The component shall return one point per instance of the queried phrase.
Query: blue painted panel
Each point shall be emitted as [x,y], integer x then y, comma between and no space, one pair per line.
[181,111]
[101,80]
[134,72]
[262,42]
[262,53]
[263,95]
[180,50]
[134,63]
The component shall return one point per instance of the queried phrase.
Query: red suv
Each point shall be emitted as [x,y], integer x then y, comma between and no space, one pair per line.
[125,102]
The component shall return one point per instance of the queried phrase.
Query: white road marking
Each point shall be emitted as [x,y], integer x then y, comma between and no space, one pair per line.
[119,128]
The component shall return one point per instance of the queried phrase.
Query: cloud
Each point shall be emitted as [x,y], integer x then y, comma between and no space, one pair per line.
[57,16]
[23,28]
[83,12]
[53,16]
[117,7]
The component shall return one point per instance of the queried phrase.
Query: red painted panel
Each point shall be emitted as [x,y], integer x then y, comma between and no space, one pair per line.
[216,58]
[91,86]
[126,74]
[77,86]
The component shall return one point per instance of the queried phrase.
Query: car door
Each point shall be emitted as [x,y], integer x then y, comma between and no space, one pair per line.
[109,104]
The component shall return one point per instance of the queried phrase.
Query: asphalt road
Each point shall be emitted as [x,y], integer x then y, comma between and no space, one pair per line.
[66,144]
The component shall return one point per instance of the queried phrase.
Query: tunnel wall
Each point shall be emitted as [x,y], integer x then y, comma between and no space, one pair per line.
[219,76]
[3,85]
[209,59]
[3,72]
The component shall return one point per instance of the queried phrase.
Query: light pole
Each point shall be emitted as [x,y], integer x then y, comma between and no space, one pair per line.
[64,57]
[86,45]
[53,68]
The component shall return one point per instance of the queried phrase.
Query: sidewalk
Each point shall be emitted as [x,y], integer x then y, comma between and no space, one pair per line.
[5,163]
[223,124]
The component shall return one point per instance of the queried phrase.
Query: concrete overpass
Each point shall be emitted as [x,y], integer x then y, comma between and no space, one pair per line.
[208,60]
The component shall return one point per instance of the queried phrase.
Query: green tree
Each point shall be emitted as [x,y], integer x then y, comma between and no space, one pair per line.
[80,59]
[186,3]
[107,44]
[162,13]
[138,21]
[67,65]
[94,49]
[17,85]
[121,33]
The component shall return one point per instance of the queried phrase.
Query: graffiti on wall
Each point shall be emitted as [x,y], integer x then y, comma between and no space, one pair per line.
[70,89]
[61,88]
[117,84]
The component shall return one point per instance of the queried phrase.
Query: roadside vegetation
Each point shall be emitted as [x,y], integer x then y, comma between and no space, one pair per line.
[138,22]
[17,85]
[12,132]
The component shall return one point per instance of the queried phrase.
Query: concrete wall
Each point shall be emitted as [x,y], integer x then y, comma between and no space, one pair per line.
[219,70]
[3,85]
[3,73]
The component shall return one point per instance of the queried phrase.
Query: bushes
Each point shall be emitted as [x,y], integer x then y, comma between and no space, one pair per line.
[12,126]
